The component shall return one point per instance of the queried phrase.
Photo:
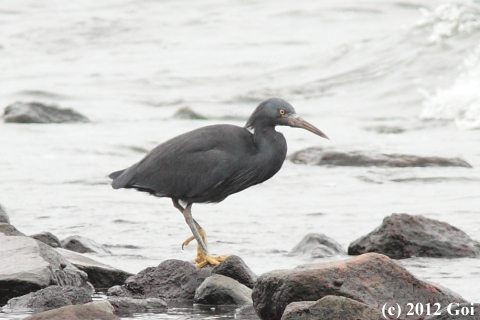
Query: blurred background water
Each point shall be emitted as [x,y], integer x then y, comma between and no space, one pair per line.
[346,66]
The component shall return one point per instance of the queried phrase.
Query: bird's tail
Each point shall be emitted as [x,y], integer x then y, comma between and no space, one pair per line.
[116,174]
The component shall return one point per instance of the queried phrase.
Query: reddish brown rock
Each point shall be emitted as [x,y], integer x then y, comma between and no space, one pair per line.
[403,236]
[331,308]
[372,278]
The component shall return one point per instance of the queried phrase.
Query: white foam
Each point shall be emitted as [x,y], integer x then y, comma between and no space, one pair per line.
[461,101]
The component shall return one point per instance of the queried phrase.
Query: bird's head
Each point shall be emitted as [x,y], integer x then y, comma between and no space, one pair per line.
[278,112]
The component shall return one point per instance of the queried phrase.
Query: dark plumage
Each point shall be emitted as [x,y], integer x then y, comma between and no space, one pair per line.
[213,162]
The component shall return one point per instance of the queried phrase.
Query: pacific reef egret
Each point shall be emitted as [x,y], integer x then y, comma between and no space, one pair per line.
[210,163]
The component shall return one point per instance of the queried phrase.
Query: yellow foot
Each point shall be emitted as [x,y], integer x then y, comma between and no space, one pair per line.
[203,259]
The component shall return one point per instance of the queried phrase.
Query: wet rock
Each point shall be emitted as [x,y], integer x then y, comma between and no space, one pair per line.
[3,215]
[317,246]
[9,230]
[47,238]
[100,275]
[235,268]
[170,280]
[126,306]
[27,265]
[320,157]
[457,311]
[34,112]
[101,310]
[372,278]
[84,245]
[49,298]
[403,236]
[222,290]
[188,113]
[331,308]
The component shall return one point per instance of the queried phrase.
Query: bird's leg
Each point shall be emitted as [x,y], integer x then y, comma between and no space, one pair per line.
[187,213]
[203,257]
[177,205]
[202,232]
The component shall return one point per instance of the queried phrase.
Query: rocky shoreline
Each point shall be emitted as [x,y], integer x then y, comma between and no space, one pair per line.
[53,279]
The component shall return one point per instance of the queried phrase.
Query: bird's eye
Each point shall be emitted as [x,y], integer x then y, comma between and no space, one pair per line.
[282,112]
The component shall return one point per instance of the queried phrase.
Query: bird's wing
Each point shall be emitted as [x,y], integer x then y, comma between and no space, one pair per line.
[193,165]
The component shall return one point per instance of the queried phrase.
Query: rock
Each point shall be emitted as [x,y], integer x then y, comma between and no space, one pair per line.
[34,112]
[49,298]
[3,215]
[457,311]
[222,290]
[101,310]
[320,157]
[84,245]
[372,278]
[100,275]
[235,268]
[47,238]
[386,129]
[170,280]
[317,246]
[27,265]
[9,230]
[331,308]
[187,113]
[126,306]
[403,236]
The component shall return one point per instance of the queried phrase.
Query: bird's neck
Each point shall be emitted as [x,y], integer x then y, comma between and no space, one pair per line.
[272,149]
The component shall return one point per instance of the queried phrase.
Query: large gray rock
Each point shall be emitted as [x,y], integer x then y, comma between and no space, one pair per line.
[3,215]
[128,306]
[27,265]
[403,236]
[101,310]
[100,275]
[316,245]
[331,308]
[34,112]
[47,238]
[171,280]
[222,290]
[9,230]
[371,278]
[84,245]
[321,157]
[52,297]
[235,268]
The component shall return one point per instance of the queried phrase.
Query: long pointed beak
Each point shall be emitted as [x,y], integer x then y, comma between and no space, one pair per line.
[295,121]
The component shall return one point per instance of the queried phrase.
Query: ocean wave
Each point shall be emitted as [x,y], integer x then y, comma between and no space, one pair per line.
[461,101]
[448,20]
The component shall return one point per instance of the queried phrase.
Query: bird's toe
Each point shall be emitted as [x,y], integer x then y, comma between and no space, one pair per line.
[203,260]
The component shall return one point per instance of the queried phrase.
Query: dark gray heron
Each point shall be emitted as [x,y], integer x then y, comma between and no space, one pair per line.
[210,163]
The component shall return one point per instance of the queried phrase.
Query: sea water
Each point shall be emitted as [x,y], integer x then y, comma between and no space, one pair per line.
[348,67]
